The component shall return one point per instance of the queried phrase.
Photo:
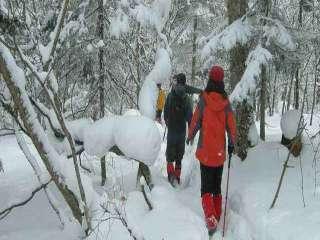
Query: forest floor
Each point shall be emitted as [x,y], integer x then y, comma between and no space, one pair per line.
[177,212]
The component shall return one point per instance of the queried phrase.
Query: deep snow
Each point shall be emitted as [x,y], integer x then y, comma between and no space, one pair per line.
[177,213]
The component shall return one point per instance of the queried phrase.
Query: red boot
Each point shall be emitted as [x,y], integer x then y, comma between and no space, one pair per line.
[177,172]
[170,172]
[217,202]
[209,212]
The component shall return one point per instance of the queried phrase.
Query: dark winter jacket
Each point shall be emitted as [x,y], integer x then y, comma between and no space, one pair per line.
[176,123]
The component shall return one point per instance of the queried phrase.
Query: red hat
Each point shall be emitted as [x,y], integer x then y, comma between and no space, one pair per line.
[216,73]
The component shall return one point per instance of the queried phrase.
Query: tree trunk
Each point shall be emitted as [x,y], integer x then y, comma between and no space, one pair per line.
[101,83]
[194,51]
[290,90]
[314,90]
[296,89]
[297,83]
[238,56]
[274,96]
[263,102]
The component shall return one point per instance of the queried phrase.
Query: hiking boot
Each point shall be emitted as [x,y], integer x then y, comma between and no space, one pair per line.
[209,212]
[217,202]
[177,173]
[170,172]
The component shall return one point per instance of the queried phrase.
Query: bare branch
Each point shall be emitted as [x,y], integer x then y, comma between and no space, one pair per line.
[24,202]
[57,31]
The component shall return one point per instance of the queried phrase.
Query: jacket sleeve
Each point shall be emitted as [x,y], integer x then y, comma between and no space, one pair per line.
[192,90]
[231,126]
[166,109]
[196,121]
[188,111]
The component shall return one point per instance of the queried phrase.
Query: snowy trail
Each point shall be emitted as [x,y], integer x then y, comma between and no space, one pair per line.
[177,213]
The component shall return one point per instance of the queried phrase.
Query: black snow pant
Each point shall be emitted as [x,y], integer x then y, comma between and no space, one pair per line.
[175,152]
[211,178]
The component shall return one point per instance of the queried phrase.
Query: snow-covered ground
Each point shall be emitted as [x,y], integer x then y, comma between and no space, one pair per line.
[177,213]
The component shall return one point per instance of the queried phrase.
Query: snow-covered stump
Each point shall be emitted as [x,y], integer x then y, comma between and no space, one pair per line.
[290,122]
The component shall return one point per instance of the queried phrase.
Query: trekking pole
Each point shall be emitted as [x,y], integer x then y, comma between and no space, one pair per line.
[164,134]
[226,200]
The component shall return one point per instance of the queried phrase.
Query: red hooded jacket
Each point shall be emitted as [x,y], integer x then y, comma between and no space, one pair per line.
[213,116]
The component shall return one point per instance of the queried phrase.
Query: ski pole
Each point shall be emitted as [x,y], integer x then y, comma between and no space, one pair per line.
[226,200]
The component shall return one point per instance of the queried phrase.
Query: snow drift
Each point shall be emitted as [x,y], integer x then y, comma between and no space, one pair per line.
[137,137]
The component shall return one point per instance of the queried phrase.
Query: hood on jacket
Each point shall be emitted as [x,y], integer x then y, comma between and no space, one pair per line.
[215,101]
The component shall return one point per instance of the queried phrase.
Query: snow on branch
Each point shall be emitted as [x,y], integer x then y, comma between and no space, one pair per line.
[275,32]
[48,51]
[119,24]
[156,15]
[240,31]
[258,57]
[149,92]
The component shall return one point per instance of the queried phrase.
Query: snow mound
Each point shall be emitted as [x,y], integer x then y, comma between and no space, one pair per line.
[77,127]
[98,138]
[132,112]
[290,123]
[137,137]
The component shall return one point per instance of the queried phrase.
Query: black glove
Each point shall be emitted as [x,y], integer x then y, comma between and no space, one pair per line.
[230,149]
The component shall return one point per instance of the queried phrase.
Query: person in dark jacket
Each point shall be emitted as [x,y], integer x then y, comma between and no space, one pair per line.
[177,113]
[213,116]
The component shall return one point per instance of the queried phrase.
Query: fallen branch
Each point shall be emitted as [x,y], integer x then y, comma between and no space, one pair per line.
[125,223]
[24,202]
[295,141]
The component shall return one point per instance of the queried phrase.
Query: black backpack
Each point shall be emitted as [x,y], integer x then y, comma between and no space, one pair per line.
[178,107]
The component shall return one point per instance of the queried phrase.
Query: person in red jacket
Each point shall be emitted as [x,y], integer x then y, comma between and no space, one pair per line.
[213,116]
